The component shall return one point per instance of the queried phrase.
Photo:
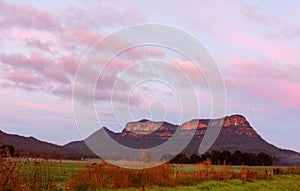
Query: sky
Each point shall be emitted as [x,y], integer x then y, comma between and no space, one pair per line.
[254,43]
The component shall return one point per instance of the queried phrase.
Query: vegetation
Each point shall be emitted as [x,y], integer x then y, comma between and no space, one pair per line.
[236,158]
[7,151]
[107,176]
[44,174]
[285,183]
[35,174]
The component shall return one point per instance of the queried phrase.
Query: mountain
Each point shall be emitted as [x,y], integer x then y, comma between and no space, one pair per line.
[32,147]
[236,133]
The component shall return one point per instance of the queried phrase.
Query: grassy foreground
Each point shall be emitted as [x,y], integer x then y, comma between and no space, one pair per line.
[76,175]
[282,183]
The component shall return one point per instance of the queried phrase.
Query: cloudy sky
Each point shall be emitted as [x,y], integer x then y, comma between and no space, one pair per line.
[255,44]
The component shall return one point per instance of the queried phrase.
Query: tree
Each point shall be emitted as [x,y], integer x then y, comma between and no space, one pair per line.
[237,158]
[180,159]
[265,159]
[226,156]
[7,151]
[205,156]
[216,156]
[195,159]
[250,159]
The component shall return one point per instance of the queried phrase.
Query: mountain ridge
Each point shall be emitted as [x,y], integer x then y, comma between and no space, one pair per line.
[236,134]
[32,147]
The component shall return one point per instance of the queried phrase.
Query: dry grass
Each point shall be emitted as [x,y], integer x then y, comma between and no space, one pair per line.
[23,175]
[104,175]
[42,174]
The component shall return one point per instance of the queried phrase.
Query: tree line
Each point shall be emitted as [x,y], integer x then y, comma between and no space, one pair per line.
[7,151]
[235,158]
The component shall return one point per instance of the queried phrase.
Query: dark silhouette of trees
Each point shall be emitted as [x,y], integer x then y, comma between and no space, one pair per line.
[180,159]
[226,156]
[7,151]
[250,159]
[215,157]
[195,159]
[235,158]
[265,159]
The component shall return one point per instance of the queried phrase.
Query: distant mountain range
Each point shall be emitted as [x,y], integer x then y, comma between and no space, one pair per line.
[236,134]
[32,147]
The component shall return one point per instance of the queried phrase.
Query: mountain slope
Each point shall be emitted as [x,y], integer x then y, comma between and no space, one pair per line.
[32,147]
[236,134]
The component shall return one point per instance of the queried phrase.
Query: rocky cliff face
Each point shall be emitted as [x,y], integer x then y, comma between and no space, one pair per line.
[145,128]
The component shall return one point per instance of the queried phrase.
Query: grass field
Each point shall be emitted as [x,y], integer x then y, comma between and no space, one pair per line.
[282,183]
[77,175]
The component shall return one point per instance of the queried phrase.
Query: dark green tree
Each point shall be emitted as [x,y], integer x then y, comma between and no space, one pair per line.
[215,157]
[250,159]
[226,156]
[195,159]
[265,159]
[237,158]
[7,150]
[180,159]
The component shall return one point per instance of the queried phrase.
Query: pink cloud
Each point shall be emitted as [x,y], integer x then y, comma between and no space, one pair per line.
[68,64]
[234,36]
[39,45]
[33,39]
[53,73]
[60,69]
[288,97]
[42,107]
[190,69]
[110,15]
[291,31]
[106,113]
[143,52]
[35,61]
[39,73]
[81,36]
[268,80]
[264,68]
[278,50]
[68,30]
[26,17]
[253,13]
[21,34]
[26,78]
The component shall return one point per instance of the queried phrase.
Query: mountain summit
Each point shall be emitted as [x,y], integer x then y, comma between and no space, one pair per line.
[146,128]
[236,134]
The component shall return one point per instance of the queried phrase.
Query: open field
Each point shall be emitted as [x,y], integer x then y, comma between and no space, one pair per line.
[280,183]
[87,175]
